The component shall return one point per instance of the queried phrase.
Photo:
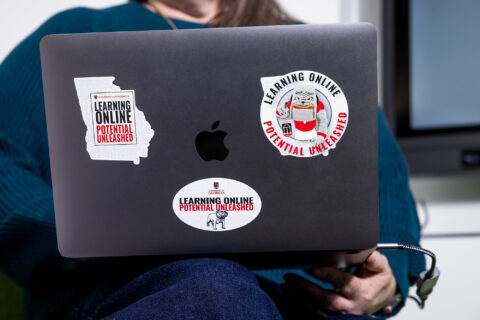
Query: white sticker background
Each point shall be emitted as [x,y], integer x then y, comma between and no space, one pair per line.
[121,151]
[241,202]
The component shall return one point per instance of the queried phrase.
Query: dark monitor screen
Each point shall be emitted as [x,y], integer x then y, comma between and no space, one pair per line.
[432,82]
[444,64]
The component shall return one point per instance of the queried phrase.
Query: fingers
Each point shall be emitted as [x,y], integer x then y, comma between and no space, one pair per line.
[376,263]
[323,299]
[367,291]
[343,281]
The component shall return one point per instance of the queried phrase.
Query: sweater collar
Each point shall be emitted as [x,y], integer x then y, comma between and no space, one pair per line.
[137,14]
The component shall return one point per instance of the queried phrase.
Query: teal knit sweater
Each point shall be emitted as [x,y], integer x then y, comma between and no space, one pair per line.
[28,247]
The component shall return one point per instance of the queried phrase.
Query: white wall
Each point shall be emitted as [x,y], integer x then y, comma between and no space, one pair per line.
[314,11]
[452,231]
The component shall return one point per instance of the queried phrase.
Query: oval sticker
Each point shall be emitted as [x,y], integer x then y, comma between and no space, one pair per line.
[217,204]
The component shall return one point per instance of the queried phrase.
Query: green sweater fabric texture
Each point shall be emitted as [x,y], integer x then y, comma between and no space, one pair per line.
[28,245]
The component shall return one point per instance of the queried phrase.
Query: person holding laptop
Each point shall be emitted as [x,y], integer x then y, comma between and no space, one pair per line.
[190,289]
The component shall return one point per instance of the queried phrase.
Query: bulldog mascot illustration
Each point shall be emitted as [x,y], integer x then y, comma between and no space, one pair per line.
[307,113]
[218,217]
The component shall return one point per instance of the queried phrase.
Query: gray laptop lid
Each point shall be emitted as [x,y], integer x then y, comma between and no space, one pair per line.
[124,111]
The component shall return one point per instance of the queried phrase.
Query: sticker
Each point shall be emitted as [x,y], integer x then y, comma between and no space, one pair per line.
[303,113]
[116,128]
[217,204]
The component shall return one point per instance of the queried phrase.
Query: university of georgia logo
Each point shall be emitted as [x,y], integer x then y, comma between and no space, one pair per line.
[303,113]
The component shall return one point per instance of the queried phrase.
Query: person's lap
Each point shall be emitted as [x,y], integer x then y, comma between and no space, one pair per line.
[189,289]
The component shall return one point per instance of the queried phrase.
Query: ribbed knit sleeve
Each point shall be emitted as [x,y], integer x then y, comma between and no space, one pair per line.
[28,246]
[398,216]
[27,229]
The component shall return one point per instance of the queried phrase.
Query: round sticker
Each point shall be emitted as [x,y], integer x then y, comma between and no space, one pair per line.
[217,204]
[303,113]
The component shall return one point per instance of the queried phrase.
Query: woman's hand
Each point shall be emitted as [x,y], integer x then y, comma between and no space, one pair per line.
[367,291]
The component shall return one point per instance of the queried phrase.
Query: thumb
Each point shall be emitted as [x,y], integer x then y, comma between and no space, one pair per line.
[376,263]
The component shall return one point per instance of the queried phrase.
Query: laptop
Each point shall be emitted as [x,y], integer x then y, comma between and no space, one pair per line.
[257,144]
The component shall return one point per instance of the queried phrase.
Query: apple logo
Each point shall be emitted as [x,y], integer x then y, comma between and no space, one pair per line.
[210,145]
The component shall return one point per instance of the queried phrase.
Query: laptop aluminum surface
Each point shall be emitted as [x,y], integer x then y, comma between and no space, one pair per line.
[257,143]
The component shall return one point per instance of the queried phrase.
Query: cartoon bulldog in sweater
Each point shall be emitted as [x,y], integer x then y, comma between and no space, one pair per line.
[215,218]
[307,113]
